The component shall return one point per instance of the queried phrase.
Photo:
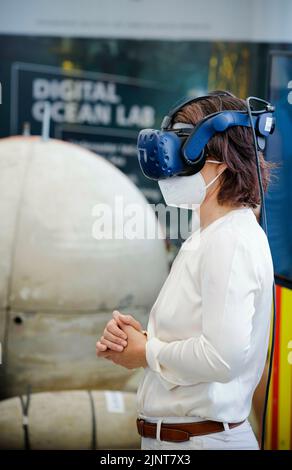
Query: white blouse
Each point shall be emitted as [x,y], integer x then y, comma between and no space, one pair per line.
[208,330]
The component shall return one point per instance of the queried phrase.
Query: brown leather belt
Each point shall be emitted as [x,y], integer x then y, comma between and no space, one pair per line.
[179,432]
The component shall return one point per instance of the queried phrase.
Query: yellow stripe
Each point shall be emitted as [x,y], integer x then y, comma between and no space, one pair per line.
[285,391]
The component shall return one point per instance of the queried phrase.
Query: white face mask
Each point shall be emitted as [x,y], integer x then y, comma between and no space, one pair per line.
[187,192]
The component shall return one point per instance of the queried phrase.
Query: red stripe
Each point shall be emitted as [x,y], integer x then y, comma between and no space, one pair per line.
[276,375]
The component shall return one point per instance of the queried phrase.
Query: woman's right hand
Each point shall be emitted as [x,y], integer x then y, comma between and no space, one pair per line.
[114,337]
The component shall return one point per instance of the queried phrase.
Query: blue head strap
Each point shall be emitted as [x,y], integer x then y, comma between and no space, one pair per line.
[171,152]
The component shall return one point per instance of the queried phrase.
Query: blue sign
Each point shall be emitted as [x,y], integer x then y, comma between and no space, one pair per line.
[279,150]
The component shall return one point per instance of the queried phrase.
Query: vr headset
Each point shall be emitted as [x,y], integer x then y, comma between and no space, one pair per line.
[173,151]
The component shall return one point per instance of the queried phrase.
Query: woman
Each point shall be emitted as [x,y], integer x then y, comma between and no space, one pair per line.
[207,336]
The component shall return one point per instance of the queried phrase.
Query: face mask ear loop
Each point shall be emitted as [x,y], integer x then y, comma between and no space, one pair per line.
[214,179]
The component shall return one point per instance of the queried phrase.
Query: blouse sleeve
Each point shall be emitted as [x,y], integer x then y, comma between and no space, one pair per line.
[228,282]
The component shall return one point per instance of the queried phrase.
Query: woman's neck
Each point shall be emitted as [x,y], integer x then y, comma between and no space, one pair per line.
[210,210]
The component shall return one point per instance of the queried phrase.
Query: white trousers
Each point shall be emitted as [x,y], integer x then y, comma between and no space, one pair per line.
[239,438]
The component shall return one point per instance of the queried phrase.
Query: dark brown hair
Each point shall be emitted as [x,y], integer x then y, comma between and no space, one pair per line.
[234,147]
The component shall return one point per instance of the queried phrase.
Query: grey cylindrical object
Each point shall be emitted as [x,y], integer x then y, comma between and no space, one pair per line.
[64,420]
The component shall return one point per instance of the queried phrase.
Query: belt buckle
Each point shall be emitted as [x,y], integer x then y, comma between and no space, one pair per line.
[140,426]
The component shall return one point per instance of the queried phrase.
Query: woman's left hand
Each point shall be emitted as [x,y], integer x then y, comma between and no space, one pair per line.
[133,355]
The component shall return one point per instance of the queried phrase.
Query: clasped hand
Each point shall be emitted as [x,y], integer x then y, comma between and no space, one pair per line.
[123,342]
